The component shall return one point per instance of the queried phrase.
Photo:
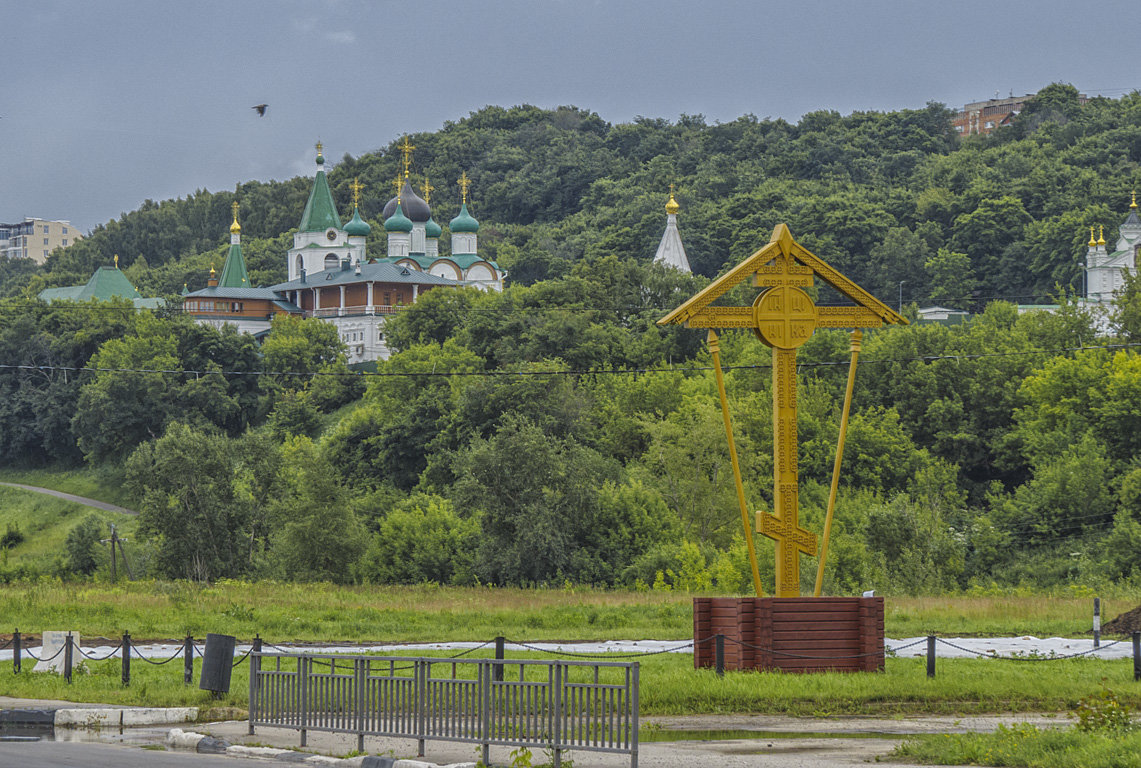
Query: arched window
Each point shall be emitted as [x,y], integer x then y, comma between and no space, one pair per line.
[300,265]
[332,261]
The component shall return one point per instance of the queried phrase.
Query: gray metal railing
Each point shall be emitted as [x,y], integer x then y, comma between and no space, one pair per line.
[554,705]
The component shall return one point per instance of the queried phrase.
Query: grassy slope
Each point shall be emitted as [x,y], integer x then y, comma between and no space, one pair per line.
[45,522]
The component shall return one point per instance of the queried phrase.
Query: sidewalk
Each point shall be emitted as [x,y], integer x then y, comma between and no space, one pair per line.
[759,741]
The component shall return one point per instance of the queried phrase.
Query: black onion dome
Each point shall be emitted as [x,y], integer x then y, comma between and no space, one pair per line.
[411,203]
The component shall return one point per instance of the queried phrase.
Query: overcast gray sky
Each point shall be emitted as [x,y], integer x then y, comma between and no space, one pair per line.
[108,103]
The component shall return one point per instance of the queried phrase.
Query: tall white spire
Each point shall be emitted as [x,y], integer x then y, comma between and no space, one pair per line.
[671,252]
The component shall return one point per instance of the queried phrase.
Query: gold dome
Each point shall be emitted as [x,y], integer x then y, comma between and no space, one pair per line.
[672,207]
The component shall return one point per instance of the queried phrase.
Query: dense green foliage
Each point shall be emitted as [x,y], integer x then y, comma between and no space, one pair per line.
[553,432]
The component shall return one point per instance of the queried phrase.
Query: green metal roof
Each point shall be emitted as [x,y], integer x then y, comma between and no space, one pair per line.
[320,213]
[107,283]
[465,222]
[234,273]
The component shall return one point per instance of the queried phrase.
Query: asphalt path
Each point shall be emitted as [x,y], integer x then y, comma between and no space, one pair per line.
[72,497]
[49,754]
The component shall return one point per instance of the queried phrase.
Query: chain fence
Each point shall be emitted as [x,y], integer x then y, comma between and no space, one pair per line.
[126,650]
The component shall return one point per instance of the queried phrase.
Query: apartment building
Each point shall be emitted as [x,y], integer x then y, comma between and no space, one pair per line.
[35,238]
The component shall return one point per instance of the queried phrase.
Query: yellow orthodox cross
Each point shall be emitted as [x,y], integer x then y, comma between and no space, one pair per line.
[783,317]
[426,189]
[406,148]
[464,183]
[234,206]
[319,146]
[356,188]
[398,183]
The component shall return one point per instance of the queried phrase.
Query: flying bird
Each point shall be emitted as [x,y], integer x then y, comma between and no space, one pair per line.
[261,109]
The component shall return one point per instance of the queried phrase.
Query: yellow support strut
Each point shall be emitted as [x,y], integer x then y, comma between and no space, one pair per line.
[715,350]
[856,338]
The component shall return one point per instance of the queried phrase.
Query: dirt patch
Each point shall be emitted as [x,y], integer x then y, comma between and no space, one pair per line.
[1125,624]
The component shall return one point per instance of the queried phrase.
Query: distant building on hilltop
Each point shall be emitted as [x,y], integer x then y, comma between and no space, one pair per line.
[332,277]
[671,252]
[36,238]
[1106,270]
[982,117]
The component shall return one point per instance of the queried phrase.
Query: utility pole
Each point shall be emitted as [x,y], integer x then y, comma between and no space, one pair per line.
[901,282]
[113,541]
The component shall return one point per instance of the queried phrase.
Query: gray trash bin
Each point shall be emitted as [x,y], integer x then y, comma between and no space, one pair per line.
[217,663]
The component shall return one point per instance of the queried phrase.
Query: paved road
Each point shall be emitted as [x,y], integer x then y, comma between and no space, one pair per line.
[45,754]
[72,497]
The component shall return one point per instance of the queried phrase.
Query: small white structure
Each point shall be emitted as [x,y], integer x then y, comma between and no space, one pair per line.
[52,652]
[671,252]
[1105,271]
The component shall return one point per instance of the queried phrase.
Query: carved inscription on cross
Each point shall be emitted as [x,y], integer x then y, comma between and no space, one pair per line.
[784,316]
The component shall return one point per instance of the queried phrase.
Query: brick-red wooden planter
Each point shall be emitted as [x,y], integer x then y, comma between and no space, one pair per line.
[834,633]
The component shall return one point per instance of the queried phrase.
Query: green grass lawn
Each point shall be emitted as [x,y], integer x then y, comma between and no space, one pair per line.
[671,686]
[1026,746]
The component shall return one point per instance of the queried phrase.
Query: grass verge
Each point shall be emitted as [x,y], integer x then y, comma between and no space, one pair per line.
[671,686]
[1025,745]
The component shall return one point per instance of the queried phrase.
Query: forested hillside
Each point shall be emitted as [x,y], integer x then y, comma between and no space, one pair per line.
[554,433]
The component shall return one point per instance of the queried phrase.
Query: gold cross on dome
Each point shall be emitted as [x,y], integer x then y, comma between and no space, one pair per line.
[319,147]
[398,183]
[464,183]
[356,187]
[427,189]
[234,205]
[406,148]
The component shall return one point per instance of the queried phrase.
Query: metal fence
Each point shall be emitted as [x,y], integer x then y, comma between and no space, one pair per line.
[551,705]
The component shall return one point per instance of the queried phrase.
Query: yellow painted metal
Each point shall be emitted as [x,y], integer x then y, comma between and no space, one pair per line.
[857,336]
[783,316]
[715,351]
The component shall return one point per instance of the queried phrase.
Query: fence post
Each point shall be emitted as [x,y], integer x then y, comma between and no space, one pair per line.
[126,657]
[485,678]
[67,658]
[255,667]
[1136,656]
[499,641]
[361,682]
[1097,622]
[719,654]
[16,651]
[634,728]
[303,681]
[931,655]
[557,707]
[188,660]
[423,669]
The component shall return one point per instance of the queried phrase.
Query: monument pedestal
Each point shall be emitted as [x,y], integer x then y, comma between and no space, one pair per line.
[791,634]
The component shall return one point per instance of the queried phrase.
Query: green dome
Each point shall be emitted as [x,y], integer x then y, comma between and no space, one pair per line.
[357,227]
[465,222]
[432,229]
[398,222]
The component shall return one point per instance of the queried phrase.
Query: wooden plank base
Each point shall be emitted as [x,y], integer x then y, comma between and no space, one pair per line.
[791,634]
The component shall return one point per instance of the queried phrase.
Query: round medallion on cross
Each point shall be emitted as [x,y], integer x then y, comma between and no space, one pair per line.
[784,317]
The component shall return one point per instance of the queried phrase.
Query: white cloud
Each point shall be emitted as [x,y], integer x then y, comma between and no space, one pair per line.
[345,37]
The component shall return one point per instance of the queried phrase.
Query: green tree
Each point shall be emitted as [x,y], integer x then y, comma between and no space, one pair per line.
[185,481]
[422,539]
[81,544]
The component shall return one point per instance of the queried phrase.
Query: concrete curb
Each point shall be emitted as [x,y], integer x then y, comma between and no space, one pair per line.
[177,738]
[100,717]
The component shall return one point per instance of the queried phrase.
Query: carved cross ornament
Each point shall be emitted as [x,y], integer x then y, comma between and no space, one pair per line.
[783,317]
